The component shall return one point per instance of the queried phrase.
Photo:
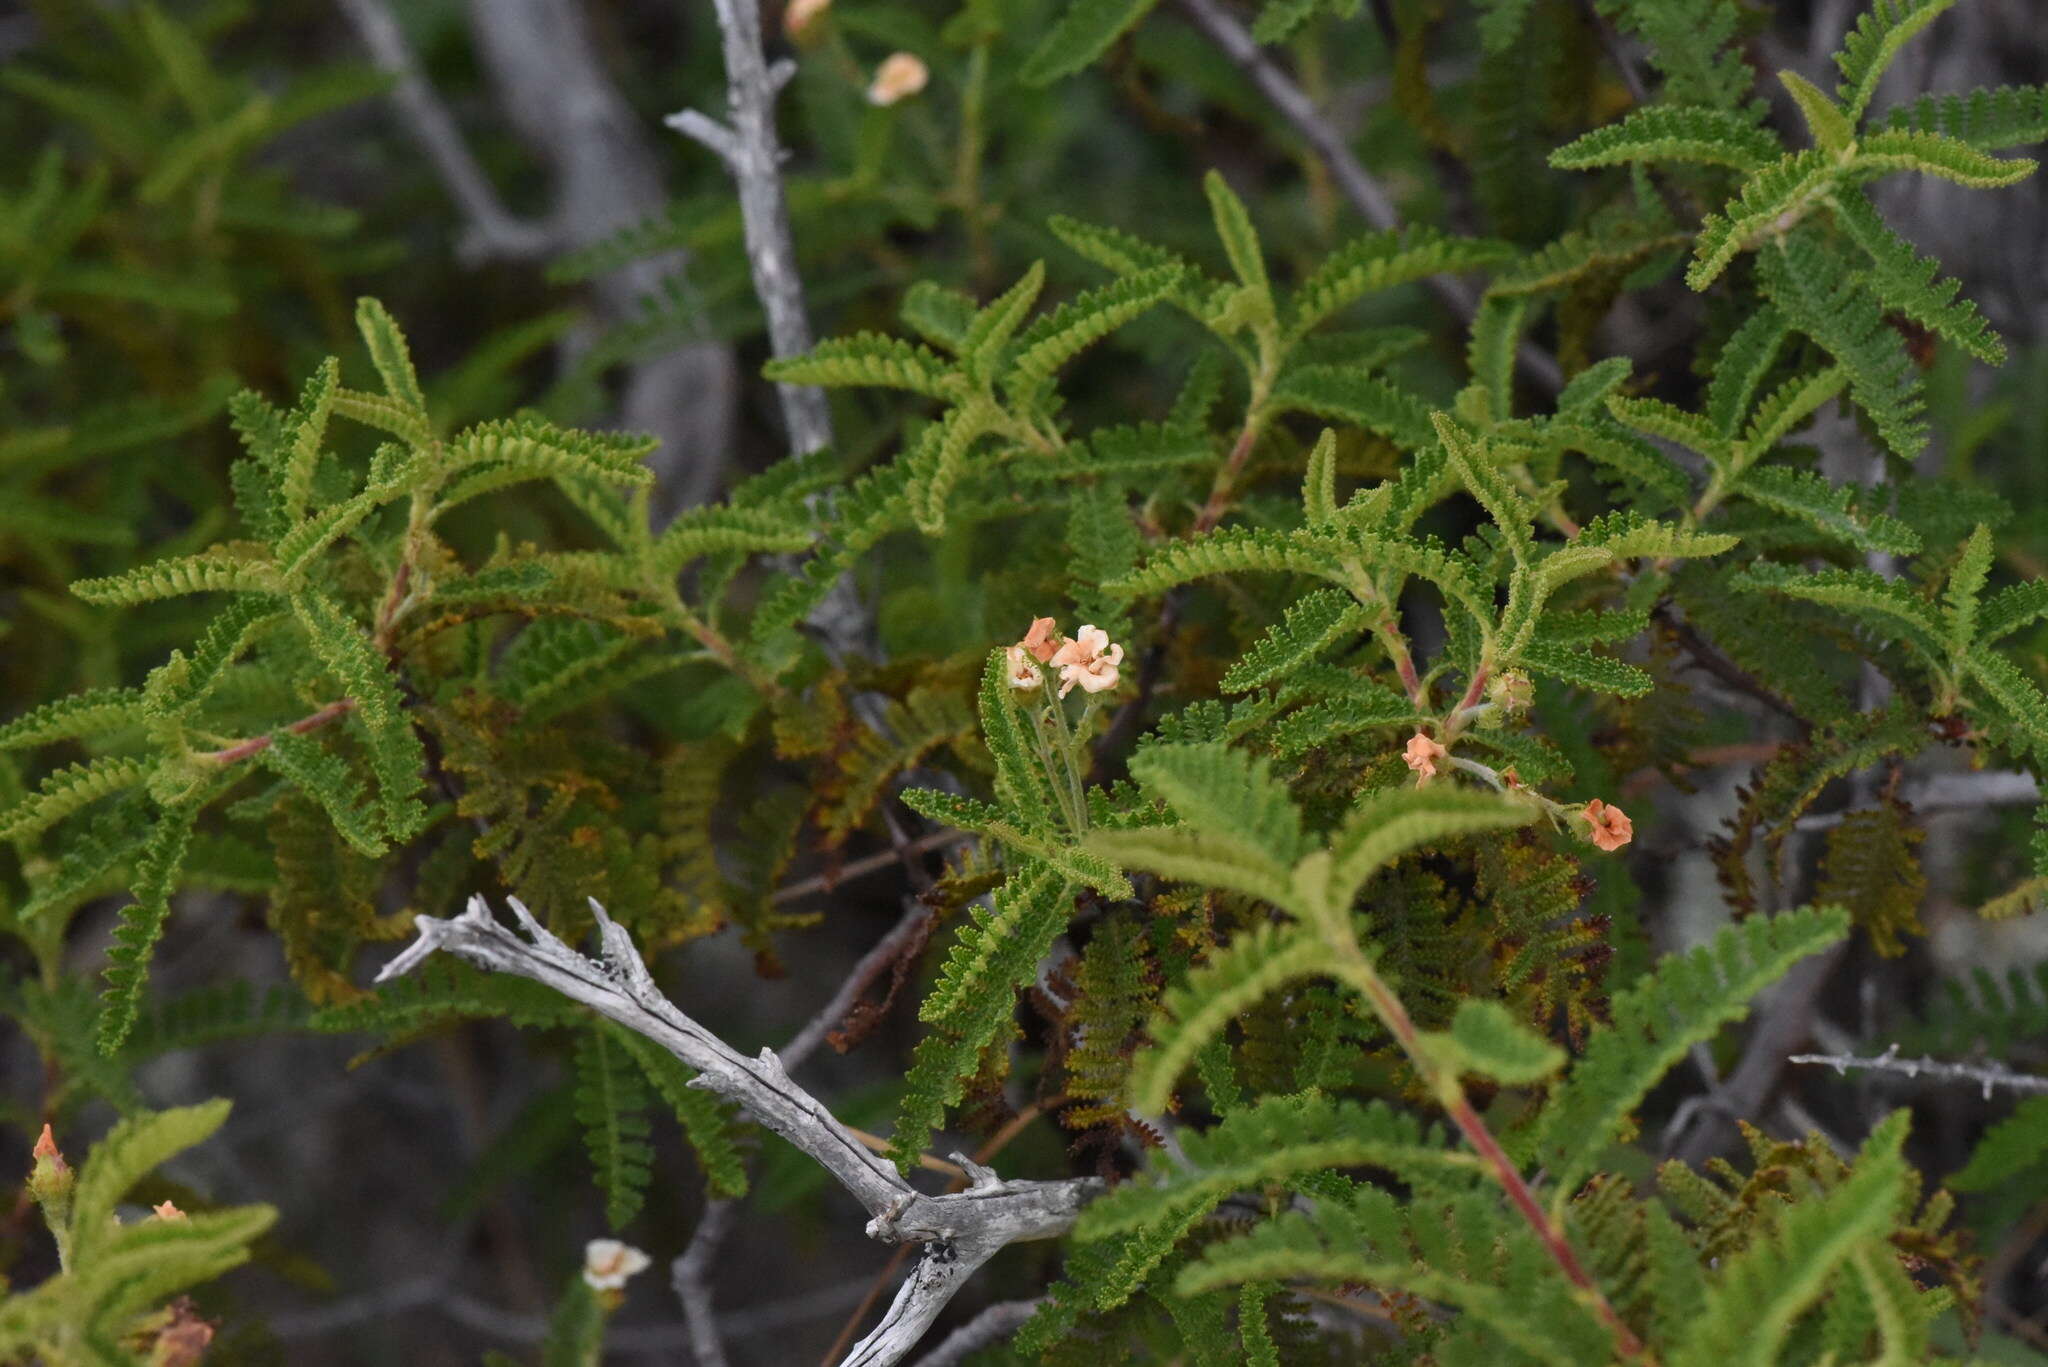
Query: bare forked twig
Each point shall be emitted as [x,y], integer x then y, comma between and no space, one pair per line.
[961,1231]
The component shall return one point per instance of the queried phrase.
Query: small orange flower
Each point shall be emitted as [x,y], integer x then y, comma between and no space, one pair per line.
[1042,640]
[46,1146]
[167,1211]
[1611,827]
[1422,755]
[900,76]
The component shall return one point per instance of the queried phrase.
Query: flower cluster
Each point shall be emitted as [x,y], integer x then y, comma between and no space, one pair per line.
[1089,659]
[1608,826]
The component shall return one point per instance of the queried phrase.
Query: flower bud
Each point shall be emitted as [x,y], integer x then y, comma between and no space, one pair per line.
[1511,692]
[802,16]
[900,76]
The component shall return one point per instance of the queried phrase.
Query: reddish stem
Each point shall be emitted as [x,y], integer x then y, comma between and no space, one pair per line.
[1560,1249]
[242,749]
[1395,1016]
[1404,663]
[1219,492]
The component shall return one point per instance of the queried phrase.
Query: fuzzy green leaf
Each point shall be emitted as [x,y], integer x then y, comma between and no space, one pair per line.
[1935,154]
[1785,189]
[388,353]
[1759,1293]
[1869,48]
[1078,324]
[1594,673]
[68,790]
[1486,1039]
[1828,508]
[1313,623]
[1084,32]
[93,713]
[1229,983]
[1380,261]
[1686,998]
[157,866]
[234,568]
[1666,132]
[1987,119]
[873,360]
[1389,824]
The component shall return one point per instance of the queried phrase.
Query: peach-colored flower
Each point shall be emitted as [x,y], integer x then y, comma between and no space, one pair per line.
[167,1211]
[1088,660]
[1611,827]
[1421,756]
[900,76]
[609,1264]
[1043,640]
[46,1147]
[1023,673]
[801,14]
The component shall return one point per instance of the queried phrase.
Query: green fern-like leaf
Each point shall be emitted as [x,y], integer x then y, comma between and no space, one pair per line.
[396,755]
[1279,1139]
[708,1123]
[1886,605]
[1084,31]
[611,1105]
[92,713]
[1313,623]
[1987,119]
[1823,298]
[997,953]
[1752,1304]
[1667,132]
[1908,283]
[156,877]
[1078,324]
[1380,261]
[1739,370]
[1686,998]
[870,360]
[68,790]
[1832,510]
[2008,1150]
[237,567]
[1868,50]
[1784,189]
[1344,394]
[131,1151]
[1224,794]
[1230,982]
[389,354]
[1937,155]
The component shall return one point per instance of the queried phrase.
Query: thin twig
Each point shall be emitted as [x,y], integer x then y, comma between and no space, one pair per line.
[1366,194]
[691,1276]
[747,144]
[493,232]
[994,1324]
[1950,792]
[1989,1076]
